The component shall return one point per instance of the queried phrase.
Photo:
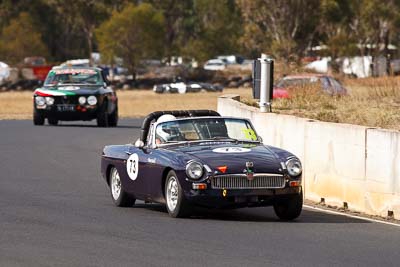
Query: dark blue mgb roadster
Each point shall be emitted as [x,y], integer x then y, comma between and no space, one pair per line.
[197,157]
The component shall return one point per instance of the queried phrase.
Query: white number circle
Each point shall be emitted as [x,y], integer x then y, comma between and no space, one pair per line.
[132,166]
[231,150]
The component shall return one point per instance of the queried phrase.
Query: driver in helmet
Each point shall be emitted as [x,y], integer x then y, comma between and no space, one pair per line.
[166,132]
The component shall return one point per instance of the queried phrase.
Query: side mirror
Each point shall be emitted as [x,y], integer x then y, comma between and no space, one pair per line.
[259,138]
[139,143]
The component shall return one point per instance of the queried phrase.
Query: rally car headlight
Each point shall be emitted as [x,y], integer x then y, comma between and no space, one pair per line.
[92,100]
[294,167]
[49,100]
[194,170]
[40,101]
[82,100]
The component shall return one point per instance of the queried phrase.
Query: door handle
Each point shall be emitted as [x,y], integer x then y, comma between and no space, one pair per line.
[128,153]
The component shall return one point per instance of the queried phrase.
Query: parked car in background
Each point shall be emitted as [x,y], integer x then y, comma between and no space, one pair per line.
[4,72]
[232,59]
[76,63]
[327,83]
[215,64]
[35,68]
[182,87]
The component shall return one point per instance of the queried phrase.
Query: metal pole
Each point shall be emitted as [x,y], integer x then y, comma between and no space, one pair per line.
[263,83]
[269,83]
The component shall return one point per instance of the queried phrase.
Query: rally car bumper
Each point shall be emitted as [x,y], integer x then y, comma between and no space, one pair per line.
[69,113]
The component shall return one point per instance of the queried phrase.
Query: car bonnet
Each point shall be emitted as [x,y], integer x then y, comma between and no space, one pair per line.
[67,90]
[234,157]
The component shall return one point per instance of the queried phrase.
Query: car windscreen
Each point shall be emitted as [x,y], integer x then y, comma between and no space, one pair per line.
[296,82]
[73,76]
[204,129]
[337,87]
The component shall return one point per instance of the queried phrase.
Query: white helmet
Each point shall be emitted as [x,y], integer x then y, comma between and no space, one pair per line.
[166,117]
[164,134]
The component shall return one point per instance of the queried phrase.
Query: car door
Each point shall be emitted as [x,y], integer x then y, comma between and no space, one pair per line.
[153,167]
[155,163]
[134,172]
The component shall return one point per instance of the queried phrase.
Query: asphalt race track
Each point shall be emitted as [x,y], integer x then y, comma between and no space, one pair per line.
[55,210]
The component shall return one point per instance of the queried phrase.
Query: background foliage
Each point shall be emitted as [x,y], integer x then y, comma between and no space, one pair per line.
[135,30]
[134,33]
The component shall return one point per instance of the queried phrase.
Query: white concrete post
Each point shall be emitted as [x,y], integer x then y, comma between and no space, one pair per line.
[263,83]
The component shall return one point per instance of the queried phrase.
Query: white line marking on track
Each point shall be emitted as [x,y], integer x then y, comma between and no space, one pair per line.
[350,215]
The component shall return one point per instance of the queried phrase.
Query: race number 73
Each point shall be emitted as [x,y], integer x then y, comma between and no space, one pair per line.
[132,166]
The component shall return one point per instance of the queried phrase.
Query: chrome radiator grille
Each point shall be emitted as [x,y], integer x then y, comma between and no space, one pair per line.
[240,181]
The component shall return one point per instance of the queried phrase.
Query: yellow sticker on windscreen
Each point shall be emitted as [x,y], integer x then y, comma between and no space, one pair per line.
[250,134]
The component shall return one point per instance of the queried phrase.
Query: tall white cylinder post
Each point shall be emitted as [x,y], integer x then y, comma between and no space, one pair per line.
[263,83]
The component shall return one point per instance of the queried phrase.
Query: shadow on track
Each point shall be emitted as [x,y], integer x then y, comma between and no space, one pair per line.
[256,215]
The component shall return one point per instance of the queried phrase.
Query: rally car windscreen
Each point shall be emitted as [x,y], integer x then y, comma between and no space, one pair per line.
[204,129]
[73,76]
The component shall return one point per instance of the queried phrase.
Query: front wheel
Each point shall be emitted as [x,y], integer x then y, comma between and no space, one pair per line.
[38,119]
[177,205]
[102,116]
[113,118]
[289,208]
[52,121]
[118,194]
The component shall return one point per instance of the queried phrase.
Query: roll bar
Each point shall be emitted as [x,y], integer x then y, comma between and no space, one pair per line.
[177,113]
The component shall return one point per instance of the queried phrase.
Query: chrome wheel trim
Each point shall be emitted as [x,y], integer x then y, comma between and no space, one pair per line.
[172,193]
[115,184]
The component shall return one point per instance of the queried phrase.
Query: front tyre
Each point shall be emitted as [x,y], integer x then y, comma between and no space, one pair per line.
[289,208]
[176,203]
[102,116]
[113,118]
[38,119]
[52,121]
[118,194]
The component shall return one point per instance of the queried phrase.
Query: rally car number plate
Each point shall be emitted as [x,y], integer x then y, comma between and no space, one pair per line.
[65,107]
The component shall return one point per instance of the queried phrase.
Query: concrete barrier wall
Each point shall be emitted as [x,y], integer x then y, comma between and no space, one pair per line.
[342,163]
[383,171]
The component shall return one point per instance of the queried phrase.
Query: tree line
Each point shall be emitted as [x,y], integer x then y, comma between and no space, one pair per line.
[200,29]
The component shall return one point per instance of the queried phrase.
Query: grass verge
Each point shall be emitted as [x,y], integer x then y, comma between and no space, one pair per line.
[373,102]
[132,103]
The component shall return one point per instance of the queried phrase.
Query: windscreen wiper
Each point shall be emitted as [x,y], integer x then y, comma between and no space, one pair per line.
[221,138]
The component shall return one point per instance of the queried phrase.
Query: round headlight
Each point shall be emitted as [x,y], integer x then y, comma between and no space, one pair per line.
[40,101]
[194,170]
[294,167]
[82,100]
[92,100]
[49,100]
